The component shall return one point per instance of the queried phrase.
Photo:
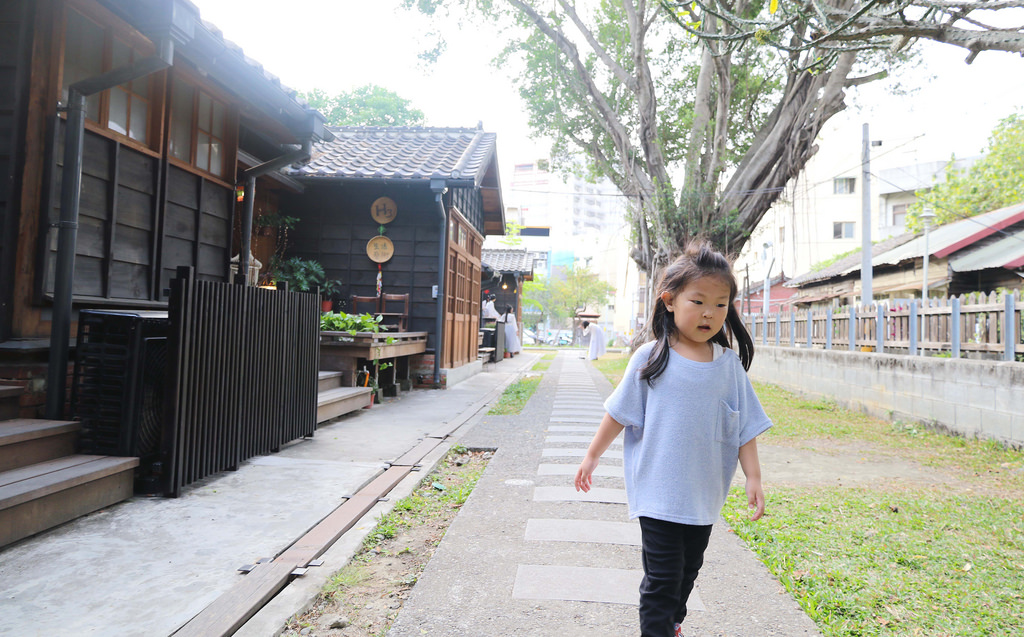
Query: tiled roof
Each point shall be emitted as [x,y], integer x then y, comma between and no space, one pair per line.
[509,260]
[401,152]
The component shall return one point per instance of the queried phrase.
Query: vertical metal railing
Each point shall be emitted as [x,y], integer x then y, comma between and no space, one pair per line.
[243,375]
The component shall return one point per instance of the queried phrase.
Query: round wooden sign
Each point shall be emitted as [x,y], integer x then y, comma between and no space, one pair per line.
[380,249]
[383,210]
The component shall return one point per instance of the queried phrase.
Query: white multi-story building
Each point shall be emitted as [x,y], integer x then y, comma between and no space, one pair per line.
[576,222]
[820,214]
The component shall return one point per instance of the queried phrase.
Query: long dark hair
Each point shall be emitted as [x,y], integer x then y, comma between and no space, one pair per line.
[699,260]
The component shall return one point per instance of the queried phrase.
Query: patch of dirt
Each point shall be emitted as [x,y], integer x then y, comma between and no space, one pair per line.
[364,598]
[841,465]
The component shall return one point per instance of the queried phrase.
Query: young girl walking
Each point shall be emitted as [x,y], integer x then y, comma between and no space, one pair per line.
[689,413]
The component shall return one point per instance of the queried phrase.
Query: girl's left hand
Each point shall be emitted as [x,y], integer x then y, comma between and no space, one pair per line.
[755,497]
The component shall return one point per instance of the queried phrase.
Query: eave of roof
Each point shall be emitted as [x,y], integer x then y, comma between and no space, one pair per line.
[226,63]
[1007,252]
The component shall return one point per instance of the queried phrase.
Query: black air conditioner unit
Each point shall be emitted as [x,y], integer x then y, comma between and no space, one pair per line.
[117,392]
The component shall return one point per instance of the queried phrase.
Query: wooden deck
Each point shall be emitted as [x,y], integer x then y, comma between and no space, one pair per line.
[349,353]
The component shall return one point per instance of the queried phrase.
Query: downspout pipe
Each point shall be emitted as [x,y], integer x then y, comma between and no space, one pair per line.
[439,188]
[249,176]
[70,199]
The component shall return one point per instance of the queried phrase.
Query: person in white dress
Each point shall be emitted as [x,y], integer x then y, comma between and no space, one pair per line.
[596,340]
[511,332]
[488,311]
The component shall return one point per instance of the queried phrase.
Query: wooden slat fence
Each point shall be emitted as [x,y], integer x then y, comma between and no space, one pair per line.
[978,325]
[243,375]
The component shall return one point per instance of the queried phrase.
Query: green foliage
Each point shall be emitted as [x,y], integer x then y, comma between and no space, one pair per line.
[511,237]
[515,396]
[351,323]
[995,181]
[938,557]
[884,562]
[301,275]
[368,105]
[578,290]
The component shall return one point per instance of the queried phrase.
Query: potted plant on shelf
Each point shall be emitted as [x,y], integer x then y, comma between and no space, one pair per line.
[328,289]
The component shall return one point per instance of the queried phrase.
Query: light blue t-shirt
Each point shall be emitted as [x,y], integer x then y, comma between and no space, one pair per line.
[682,436]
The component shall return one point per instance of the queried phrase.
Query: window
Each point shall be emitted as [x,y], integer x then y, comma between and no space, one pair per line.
[198,127]
[843,185]
[899,215]
[91,49]
[842,230]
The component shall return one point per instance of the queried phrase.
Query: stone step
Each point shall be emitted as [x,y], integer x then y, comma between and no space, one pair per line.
[339,401]
[43,495]
[25,442]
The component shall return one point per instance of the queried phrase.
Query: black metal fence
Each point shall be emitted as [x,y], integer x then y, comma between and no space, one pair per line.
[242,373]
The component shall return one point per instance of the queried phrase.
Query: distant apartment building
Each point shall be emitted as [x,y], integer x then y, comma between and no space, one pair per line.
[819,216]
[577,222]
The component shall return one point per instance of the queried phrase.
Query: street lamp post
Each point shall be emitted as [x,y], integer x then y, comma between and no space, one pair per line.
[927,216]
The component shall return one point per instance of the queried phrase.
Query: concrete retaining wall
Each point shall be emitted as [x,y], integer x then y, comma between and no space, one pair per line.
[976,399]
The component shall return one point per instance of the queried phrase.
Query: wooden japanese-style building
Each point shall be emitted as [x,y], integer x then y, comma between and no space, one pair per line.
[410,205]
[504,271]
[136,145]
[174,117]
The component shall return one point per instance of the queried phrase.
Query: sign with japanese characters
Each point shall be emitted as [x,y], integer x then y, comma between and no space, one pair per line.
[380,249]
[383,210]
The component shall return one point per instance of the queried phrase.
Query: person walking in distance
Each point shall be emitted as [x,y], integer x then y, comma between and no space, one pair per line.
[596,334]
[689,414]
[512,345]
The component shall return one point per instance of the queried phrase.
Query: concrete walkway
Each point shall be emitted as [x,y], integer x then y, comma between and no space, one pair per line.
[527,555]
[146,566]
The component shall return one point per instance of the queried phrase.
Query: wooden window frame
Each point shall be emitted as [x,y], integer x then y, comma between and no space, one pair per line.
[113,27]
[229,141]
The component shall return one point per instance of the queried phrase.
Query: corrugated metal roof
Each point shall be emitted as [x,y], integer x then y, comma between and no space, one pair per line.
[1007,252]
[849,263]
[413,153]
[952,237]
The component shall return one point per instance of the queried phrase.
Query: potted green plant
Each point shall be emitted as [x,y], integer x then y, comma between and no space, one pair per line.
[328,289]
[301,275]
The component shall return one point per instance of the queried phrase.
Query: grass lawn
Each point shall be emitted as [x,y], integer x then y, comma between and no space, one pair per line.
[896,558]
[612,365]
[544,363]
[515,396]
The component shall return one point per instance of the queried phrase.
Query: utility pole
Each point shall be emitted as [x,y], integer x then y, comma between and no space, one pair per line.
[866,293]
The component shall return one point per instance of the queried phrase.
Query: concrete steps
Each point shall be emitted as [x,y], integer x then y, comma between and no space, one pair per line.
[43,483]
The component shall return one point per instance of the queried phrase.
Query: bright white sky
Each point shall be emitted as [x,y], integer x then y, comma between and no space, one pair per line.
[338,45]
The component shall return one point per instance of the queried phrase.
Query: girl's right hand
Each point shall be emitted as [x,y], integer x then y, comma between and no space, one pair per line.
[584,475]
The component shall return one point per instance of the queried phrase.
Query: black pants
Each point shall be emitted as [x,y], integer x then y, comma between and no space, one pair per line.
[672,554]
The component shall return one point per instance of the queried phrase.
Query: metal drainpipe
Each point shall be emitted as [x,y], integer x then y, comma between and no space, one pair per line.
[250,175]
[438,187]
[70,198]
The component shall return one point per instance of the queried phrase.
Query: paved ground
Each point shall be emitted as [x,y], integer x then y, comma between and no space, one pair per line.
[146,566]
[525,556]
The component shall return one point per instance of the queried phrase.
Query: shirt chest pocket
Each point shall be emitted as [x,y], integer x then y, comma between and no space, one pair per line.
[727,430]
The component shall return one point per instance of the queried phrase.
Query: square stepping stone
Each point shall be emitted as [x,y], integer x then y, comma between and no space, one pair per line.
[603,470]
[588,531]
[584,439]
[570,494]
[585,584]
[578,453]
